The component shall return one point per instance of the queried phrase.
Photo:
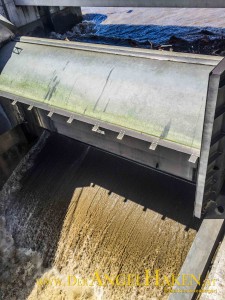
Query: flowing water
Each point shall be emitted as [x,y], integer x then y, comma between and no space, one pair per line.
[78,223]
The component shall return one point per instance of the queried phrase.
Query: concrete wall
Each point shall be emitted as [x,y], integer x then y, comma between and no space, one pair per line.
[56,18]
[18,15]
[2,11]
[5,123]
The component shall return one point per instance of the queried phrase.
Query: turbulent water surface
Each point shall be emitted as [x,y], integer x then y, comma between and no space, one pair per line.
[71,210]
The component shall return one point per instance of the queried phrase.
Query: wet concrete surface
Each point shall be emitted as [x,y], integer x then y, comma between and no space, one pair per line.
[79,210]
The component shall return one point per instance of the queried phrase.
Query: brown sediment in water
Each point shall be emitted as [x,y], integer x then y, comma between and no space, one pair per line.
[102,232]
[84,211]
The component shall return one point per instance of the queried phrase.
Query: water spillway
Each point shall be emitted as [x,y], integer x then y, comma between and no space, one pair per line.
[84,210]
[133,147]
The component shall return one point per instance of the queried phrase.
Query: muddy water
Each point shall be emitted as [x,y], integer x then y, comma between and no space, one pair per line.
[78,213]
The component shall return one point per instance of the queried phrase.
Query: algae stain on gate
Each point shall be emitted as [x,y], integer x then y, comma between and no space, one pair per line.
[103,89]
[57,94]
[52,89]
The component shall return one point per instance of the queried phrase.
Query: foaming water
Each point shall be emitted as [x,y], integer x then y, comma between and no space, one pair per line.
[86,216]
[19,267]
[13,183]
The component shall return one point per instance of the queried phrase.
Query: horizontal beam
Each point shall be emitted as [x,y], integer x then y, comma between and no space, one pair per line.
[126,3]
[90,121]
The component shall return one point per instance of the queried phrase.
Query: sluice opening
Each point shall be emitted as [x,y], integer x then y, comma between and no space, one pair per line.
[89,215]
